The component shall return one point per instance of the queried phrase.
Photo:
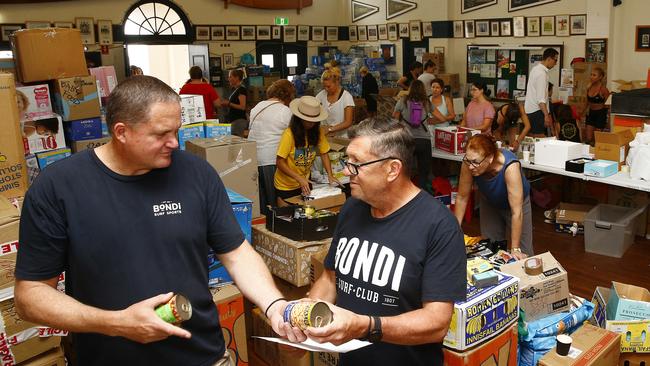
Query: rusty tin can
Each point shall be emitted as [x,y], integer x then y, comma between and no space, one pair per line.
[304,314]
[177,310]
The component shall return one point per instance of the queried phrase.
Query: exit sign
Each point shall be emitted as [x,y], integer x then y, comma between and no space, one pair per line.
[281,21]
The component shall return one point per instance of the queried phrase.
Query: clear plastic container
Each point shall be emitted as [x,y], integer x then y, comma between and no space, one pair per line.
[609,229]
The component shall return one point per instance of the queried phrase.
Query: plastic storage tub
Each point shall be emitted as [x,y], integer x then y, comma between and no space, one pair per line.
[609,229]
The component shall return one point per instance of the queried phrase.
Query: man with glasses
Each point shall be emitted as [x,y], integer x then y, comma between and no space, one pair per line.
[397,261]
[536,105]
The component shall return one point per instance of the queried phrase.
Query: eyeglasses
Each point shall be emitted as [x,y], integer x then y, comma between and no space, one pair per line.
[471,163]
[354,167]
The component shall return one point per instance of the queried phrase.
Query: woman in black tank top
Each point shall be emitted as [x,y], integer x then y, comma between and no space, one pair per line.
[596,111]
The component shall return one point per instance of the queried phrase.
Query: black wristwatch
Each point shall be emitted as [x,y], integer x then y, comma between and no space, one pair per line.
[375,334]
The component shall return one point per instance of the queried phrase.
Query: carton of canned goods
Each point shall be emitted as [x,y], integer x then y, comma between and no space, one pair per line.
[304,314]
[177,310]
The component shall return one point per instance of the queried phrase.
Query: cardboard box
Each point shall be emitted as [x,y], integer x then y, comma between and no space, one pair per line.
[83,129]
[106,80]
[628,302]
[286,258]
[317,263]
[326,359]
[190,132]
[81,145]
[8,66]
[13,168]
[544,294]
[242,208]
[192,109]
[230,304]
[453,80]
[612,146]
[284,221]
[43,134]
[500,350]
[320,203]
[9,223]
[601,168]
[215,129]
[290,291]
[54,357]
[36,102]
[76,98]
[556,153]
[591,346]
[569,213]
[484,314]
[633,359]
[30,347]
[12,323]
[50,53]
[633,199]
[599,316]
[438,59]
[453,139]
[235,159]
[272,352]
[48,157]
[634,334]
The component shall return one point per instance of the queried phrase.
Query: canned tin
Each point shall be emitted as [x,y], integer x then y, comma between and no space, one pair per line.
[309,210]
[178,309]
[304,314]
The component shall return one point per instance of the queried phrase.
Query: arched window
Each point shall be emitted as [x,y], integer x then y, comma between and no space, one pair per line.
[159,21]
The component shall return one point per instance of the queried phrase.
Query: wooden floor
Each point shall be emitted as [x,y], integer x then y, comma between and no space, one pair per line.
[586,270]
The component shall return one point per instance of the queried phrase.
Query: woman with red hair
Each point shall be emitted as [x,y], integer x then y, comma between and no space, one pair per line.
[504,194]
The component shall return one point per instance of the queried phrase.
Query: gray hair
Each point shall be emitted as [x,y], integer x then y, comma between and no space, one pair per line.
[388,138]
[131,101]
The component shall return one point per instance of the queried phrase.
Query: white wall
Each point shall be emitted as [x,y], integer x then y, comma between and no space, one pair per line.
[627,63]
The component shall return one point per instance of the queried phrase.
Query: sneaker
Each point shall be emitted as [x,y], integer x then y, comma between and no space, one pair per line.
[550,214]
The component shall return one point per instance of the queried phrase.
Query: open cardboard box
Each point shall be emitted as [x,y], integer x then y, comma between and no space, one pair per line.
[613,146]
[320,203]
[591,346]
[628,302]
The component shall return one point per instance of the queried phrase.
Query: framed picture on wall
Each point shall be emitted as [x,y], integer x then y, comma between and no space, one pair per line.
[470,5]
[562,25]
[494,29]
[427,29]
[318,33]
[403,30]
[392,32]
[8,29]
[482,28]
[372,33]
[362,33]
[578,24]
[469,29]
[289,33]
[228,60]
[382,31]
[506,28]
[514,5]
[63,25]
[332,33]
[642,38]
[105,31]
[264,32]
[439,49]
[532,26]
[202,32]
[458,29]
[303,33]
[86,27]
[232,33]
[30,24]
[218,33]
[277,32]
[548,26]
[247,32]
[519,26]
[352,33]
[415,28]
[596,50]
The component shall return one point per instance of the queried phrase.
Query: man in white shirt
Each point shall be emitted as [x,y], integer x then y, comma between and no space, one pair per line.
[536,105]
[427,76]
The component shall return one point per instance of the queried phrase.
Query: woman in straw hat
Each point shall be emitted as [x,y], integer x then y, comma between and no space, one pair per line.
[299,146]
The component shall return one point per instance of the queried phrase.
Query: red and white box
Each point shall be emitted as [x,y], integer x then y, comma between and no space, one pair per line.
[453,139]
[106,80]
[34,101]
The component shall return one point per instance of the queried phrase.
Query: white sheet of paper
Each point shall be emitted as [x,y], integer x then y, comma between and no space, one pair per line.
[313,346]
[521,81]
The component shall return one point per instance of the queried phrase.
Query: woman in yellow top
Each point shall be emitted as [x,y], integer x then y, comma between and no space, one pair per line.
[299,146]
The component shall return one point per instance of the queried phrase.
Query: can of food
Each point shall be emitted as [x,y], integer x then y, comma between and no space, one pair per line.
[178,309]
[309,210]
[304,314]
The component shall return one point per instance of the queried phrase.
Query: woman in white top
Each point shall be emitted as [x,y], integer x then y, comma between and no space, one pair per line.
[338,102]
[444,107]
[269,119]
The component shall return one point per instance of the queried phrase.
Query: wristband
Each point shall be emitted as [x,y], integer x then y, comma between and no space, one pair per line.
[271,304]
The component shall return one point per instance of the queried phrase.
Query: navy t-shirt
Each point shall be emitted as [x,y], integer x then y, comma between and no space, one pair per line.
[390,266]
[123,239]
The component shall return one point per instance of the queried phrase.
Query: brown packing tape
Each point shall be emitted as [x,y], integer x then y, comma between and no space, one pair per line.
[534,266]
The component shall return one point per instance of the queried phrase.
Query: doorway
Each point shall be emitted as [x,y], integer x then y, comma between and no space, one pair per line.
[409,49]
[285,59]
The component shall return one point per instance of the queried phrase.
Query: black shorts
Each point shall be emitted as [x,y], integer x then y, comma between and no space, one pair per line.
[536,122]
[597,119]
[288,194]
